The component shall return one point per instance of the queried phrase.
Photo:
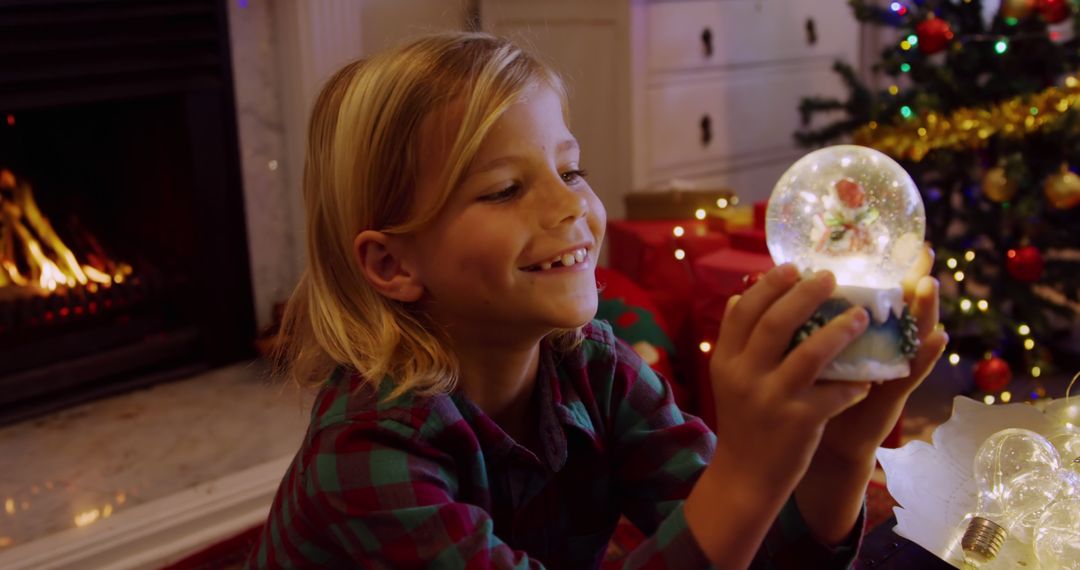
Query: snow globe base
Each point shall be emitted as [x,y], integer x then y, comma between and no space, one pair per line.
[884,350]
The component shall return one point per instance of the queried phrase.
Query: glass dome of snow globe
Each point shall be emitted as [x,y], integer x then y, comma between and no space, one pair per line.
[857,213]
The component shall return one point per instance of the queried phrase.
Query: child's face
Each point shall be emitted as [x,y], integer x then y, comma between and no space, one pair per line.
[523,203]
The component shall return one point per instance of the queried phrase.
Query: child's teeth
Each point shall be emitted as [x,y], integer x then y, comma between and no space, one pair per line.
[568,259]
[545,266]
[579,255]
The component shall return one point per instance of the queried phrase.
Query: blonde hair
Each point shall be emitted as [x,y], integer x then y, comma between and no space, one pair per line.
[361,173]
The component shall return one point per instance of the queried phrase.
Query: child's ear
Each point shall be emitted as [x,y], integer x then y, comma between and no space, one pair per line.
[382,265]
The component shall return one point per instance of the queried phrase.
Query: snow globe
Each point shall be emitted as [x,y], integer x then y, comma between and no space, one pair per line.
[853,211]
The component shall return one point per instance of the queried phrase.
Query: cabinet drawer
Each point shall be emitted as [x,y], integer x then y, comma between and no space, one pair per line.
[704,33]
[743,113]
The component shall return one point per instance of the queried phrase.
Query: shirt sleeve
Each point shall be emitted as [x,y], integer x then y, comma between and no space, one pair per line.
[388,501]
[659,452]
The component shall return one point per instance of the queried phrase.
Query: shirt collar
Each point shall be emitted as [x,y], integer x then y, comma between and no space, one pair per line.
[558,405]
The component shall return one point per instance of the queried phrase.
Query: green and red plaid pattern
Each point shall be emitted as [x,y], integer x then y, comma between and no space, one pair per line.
[421,482]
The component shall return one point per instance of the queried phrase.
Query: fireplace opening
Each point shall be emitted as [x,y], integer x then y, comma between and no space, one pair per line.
[123,249]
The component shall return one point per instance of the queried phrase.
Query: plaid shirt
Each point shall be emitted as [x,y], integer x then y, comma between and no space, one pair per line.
[433,482]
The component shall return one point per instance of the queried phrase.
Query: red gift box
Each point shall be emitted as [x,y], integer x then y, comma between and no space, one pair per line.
[719,275]
[649,252]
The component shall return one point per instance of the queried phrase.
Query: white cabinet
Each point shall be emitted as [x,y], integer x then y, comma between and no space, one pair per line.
[700,90]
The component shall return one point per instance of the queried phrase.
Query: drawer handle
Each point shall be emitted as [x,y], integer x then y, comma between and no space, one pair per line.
[706,42]
[706,130]
[811,32]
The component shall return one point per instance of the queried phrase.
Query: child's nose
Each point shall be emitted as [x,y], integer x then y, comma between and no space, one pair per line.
[563,204]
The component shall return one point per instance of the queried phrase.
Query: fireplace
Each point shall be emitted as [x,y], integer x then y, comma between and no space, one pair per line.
[123,251]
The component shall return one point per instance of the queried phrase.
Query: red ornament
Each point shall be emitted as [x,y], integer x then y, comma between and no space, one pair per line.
[992,374]
[934,35]
[1054,11]
[1025,263]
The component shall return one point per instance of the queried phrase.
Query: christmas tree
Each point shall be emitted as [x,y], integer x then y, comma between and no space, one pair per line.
[980,106]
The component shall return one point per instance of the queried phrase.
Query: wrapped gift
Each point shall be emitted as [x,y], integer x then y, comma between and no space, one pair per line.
[749,240]
[718,276]
[657,254]
[676,204]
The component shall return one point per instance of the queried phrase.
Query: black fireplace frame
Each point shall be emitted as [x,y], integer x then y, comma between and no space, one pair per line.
[63,53]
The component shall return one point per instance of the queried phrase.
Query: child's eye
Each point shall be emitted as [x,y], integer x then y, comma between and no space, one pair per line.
[508,193]
[572,177]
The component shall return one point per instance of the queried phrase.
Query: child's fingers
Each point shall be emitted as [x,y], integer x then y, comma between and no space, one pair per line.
[829,399]
[772,335]
[803,365]
[740,318]
[921,268]
[732,300]
[925,306]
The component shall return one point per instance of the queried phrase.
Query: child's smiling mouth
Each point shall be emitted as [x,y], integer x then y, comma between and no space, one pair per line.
[567,259]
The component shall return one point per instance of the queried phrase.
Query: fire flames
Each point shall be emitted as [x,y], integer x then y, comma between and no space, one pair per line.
[33,257]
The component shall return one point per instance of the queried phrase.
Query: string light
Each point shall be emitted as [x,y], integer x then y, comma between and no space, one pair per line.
[11,120]
[965,305]
[951,263]
[954,359]
[705,346]
[734,200]
[678,231]
[1001,46]
[1023,330]
[680,254]
[913,40]
[906,111]
[989,399]
[983,305]
[1029,344]
[969,255]
[905,45]
[893,90]
[959,276]
[1006,396]
[1036,371]
[699,213]
[722,203]
[905,67]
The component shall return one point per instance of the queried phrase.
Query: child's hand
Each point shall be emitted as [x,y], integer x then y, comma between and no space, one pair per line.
[770,413]
[831,493]
[855,435]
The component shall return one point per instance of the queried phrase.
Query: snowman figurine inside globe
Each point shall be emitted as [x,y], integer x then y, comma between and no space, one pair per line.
[855,212]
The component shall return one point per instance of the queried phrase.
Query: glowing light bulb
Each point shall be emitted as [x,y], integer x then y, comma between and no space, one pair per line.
[951,263]
[699,213]
[705,346]
[969,255]
[954,359]
[1016,473]
[680,254]
[983,305]
[678,231]
[1024,330]
[1057,536]
[965,305]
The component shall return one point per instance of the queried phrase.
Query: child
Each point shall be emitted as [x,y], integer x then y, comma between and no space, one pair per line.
[471,415]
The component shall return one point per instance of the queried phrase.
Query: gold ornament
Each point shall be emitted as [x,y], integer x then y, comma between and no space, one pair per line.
[996,186]
[1018,9]
[971,128]
[1062,189]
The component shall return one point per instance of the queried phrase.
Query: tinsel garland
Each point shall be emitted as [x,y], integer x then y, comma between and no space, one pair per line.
[970,129]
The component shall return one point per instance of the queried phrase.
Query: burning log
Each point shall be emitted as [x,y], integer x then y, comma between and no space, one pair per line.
[33,257]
